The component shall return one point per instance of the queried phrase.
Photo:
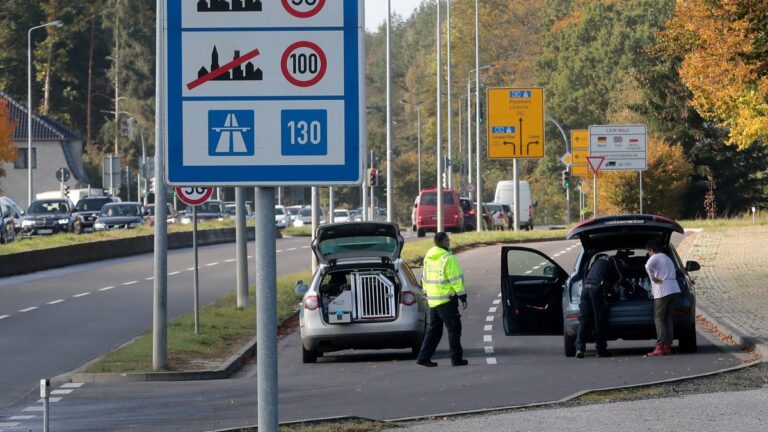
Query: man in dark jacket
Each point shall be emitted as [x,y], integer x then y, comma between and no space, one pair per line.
[604,275]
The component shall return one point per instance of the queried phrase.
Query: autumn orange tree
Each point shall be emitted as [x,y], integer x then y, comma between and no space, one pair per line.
[7,128]
[722,44]
[664,184]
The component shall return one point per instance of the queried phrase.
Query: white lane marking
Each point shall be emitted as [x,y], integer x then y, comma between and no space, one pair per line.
[62,391]
[498,295]
[305,247]
[174,273]
[149,278]
[491,360]
[28,309]
[557,255]
[4,316]
[250,256]
[81,295]
[21,417]
[9,424]
[488,328]
[130,283]
[492,310]
[32,409]
[489,318]
[230,260]
[278,251]
[55,302]
[487,338]
[211,264]
[529,272]
[72,385]
[51,399]
[536,267]
[543,263]
[497,301]
[291,249]
[488,350]
[106,288]
[190,268]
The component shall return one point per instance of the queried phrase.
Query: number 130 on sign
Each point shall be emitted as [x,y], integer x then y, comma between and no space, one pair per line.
[304,132]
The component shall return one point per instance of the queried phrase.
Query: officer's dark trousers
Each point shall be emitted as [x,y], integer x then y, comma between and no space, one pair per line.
[448,314]
[592,316]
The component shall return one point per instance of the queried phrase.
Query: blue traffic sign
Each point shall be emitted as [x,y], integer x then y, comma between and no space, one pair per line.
[520,94]
[264,96]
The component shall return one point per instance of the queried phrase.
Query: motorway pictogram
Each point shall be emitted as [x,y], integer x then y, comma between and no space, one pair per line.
[231,133]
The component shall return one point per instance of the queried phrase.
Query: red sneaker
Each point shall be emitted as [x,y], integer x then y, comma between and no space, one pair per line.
[658,351]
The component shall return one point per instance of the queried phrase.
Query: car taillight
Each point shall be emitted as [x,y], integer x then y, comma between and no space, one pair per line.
[456,216]
[471,213]
[408,298]
[311,303]
[572,316]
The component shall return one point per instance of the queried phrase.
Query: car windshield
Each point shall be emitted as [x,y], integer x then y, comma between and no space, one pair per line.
[230,209]
[121,210]
[305,212]
[279,211]
[430,198]
[92,204]
[341,212]
[209,207]
[494,207]
[465,204]
[293,211]
[356,244]
[47,207]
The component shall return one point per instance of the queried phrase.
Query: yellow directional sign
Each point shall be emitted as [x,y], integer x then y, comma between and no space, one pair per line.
[516,123]
[579,152]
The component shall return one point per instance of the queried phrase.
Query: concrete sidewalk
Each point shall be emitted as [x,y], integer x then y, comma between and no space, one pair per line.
[732,293]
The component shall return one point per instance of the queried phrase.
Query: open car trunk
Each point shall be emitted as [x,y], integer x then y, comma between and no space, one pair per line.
[356,295]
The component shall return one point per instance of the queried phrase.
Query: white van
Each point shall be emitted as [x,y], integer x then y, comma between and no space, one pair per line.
[505,194]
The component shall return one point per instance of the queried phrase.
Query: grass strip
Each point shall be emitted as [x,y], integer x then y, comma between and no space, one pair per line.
[304,231]
[224,329]
[68,239]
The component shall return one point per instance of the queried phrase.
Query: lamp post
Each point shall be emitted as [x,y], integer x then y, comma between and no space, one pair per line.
[56,23]
[568,189]
[440,222]
[418,134]
[449,165]
[469,125]
[389,115]
[479,185]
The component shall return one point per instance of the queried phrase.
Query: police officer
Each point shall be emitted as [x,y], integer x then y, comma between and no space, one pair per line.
[443,283]
[604,275]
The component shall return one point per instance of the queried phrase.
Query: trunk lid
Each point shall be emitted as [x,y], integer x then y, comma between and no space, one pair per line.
[624,231]
[355,240]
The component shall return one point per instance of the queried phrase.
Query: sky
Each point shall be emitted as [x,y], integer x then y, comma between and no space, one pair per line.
[376,11]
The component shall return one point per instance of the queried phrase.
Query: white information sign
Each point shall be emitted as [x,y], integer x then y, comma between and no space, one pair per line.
[623,147]
[264,93]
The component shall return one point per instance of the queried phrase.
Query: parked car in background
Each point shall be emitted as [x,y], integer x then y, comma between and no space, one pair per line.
[510,217]
[544,299]
[17,211]
[341,215]
[362,295]
[470,220]
[293,211]
[171,216]
[282,217]
[230,209]
[86,212]
[207,211]
[499,217]
[7,223]
[120,215]
[426,211]
[305,217]
[47,216]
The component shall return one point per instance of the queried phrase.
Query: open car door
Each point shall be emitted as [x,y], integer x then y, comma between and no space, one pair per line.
[531,292]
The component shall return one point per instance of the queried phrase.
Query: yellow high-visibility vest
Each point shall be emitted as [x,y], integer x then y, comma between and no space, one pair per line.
[441,277]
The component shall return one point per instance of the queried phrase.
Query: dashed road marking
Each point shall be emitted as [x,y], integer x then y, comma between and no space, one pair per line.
[498,295]
[55,302]
[489,318]
[529,272]
[149,278]
[9,424]
[488,328]
[106,288]
[488,349]
[278,251]
[305,247]
[62,391]
[81,295]
[491,360]
[4,316]
[230,260]
[487,338]
[23,417]
[28,309]
[51,400]
[174,273]
[130,283]
[492,310]
[190,268]
[497,301]
[291,249]
[212,264]
[32,409]
[72,385]
[536,267]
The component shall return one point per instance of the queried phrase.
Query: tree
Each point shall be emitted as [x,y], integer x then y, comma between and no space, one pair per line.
[665,184]
[7,128]
[723,49]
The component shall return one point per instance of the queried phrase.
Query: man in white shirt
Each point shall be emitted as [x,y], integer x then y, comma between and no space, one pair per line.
[665,289]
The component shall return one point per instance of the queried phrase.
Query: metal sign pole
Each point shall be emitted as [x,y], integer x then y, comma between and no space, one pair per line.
[641,191]
[266,309]
[197,275]
[440,221]
[594,196]
[44,383]
[242,248]
[516,204]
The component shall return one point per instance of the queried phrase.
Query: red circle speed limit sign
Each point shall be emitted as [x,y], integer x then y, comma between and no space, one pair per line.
[304,64]
[194,196]
[303,8]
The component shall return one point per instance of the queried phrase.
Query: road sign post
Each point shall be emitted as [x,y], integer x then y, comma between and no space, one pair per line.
[595,162]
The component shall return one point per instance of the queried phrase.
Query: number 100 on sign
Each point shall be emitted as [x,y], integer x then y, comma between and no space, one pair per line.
[304,132]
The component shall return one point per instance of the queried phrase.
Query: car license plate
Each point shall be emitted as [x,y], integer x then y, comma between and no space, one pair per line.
[44,231]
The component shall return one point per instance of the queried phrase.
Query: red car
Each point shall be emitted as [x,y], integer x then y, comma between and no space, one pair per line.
[426,211]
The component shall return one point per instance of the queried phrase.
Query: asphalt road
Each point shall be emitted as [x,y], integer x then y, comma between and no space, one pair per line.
[55,321]
[503,371]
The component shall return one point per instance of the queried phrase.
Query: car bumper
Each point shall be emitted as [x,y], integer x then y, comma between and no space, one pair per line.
[628,327]
[47,230]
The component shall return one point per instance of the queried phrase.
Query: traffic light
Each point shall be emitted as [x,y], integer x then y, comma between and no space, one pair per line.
[373,177]
[66,191]
[124,127]
[566,179]
[152,185]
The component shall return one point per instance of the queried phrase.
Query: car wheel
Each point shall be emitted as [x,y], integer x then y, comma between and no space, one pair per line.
[569,345]
[308,356]
[687,341]
[420,233]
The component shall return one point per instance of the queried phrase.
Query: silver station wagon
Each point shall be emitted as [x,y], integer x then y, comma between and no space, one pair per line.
[362,295]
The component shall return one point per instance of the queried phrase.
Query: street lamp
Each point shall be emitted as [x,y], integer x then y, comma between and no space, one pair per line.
[56,23]
[418,133]
[389,114]
[479,185]
[469,124]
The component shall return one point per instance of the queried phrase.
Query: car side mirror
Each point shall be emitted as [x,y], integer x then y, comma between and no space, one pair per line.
[692,266]
[301,288]
[549,271]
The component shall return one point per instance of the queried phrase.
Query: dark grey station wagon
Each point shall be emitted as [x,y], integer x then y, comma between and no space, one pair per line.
[540,297]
